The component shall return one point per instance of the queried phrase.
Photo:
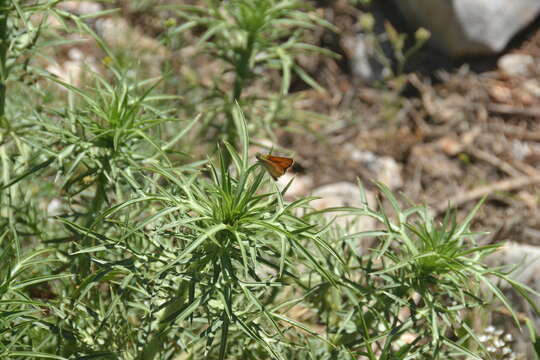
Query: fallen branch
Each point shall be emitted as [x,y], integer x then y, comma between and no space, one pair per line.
[516,132]
[495,161]
[513,110]
[475,194]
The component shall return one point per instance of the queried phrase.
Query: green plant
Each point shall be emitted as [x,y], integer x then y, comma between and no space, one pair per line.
[214,266]
[207,265]
[394,65]
[150,254]
[412,295]
[250,38]
[25,263]
[24,290]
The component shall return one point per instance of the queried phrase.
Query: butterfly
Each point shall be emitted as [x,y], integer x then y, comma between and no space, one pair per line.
[275,165]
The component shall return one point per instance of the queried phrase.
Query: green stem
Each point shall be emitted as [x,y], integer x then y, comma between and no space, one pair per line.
[242,73]
[242,69]
[98,200]
[82,265]
[3,53]
[155,342]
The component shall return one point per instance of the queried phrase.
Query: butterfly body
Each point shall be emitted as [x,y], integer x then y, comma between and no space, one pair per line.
[275,165]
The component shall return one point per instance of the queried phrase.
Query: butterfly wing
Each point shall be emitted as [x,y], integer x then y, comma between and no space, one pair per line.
[275,165]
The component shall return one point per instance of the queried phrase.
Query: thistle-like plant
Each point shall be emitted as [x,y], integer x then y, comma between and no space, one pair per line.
[25,275]
[413,294]
[250,37]
[215,259]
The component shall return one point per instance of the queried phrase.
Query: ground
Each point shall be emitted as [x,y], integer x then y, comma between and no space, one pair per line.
[459,135]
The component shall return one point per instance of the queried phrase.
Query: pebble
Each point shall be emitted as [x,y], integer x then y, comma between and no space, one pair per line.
[346,194]
[516,64]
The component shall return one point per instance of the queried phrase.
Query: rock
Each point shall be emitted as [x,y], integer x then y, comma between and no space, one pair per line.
[532,86]
[519,150]
[301,185]
[500,92]
[362,49]
[340,194]
[81,7]
[364,64]
[450,145]
[383,169]
[54,207]
[387,171]
[524,260]
[469,27]
[526,256]
[516,64]
[73,72]
[349,195]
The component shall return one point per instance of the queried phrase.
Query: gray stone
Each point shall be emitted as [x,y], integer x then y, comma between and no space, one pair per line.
[516,64]
[526,256]
[524,260]
[364,61]
[363,51]
[81,7]
[384,169]
[346,194]
[532,86]
[469,27]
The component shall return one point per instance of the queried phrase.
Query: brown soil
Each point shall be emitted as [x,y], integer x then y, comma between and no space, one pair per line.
[459,135]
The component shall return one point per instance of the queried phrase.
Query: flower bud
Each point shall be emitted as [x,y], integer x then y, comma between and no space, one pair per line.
[422,35]
[367,22]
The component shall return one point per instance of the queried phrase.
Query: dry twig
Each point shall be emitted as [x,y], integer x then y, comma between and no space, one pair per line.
[495,161]
[474,194]
[513,110]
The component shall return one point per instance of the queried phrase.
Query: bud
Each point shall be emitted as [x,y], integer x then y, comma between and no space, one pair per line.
[422,35]
[367,22]
[170,22]
[107,60]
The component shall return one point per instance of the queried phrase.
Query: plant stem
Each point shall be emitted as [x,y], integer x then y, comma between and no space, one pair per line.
[242,73]
[3,53]
[242,69]
[100,196]
[154,343]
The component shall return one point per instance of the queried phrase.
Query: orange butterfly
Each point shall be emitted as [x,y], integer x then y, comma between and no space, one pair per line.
[275,165]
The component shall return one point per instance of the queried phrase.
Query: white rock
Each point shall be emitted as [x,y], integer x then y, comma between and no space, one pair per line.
[388,172]
[363,50]
[527,256]
[520,149]
[54,207]
[81,7]
[364,61]
[348,195]
[383,168]
[516,64]
[532,86]
[470,27]
[300,186]
[76,54]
